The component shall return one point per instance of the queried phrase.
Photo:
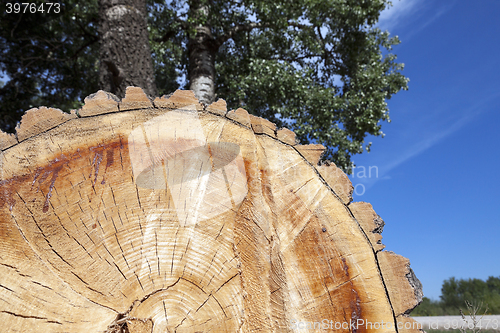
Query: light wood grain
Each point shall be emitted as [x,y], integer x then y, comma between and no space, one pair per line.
[171,218]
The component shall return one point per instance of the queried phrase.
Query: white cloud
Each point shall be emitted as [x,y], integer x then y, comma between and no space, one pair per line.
[393,15]
[412,15]
[440,132]
[424,144]
[421,141]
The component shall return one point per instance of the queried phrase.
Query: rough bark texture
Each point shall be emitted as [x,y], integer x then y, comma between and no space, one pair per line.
[125,55]
[202,49]
[174,217]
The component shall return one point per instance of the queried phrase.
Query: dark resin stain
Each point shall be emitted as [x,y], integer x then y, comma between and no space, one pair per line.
[345,267]
[109,161]
[354,299]
[46,176]
[109,158]
[52,170]
[43,173]
[96,162]
[98,155]
[6,193]
[355,306]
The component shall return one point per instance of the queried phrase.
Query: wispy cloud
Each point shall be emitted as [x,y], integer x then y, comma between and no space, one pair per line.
[421,142]
[442,131]
[399,10]
[426,143]
[393,15]
[430,18]
[414,15]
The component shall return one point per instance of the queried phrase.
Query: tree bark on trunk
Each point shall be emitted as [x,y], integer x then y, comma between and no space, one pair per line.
[125,55]
[171,217]
[201,49]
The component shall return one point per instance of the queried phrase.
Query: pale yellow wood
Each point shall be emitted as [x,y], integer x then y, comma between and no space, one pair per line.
[38,120]
[312,153]
[262,126]
[179,99]
[337,180]
[170,219]
[397,274]
[140,325]
[99,103]
[287,136]
[135,98]
[371,223]
[338,279]
[241,116]
[407,324]
[219,107]
[7,140]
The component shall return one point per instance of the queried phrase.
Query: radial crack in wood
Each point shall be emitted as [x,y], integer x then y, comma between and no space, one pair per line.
[241,116]
[219,107]
[337,180]
[263,126]
[371,223]
[7,140]
[287,136]
[404,289]
[312,153]
[165,218]
[177,100]
[38,120]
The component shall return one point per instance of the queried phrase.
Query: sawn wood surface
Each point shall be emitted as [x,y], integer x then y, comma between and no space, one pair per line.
[171,216]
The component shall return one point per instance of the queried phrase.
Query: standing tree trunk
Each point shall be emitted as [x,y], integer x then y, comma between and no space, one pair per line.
[177,218]
[125,55]
[201,49]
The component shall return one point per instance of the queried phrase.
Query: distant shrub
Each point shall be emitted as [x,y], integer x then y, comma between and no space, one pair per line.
[455,293]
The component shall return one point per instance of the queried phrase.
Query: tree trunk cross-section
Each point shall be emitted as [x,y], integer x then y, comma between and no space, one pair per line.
[132,216]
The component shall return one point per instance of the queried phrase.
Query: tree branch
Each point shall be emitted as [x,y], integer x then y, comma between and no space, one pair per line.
[299,25]
[171,32]
[90,42]
[238,28]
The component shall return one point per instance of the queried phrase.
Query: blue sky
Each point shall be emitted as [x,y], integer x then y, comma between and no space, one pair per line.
[438,182]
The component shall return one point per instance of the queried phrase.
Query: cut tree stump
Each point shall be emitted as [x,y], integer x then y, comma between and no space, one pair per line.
[174,217]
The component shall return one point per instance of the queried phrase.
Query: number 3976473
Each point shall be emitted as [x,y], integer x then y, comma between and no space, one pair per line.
[31,7]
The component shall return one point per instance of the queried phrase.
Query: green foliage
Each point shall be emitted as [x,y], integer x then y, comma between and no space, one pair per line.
[315,66]
[455,293]
[318,67]
[428,307]
[167,43]
[50,58]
